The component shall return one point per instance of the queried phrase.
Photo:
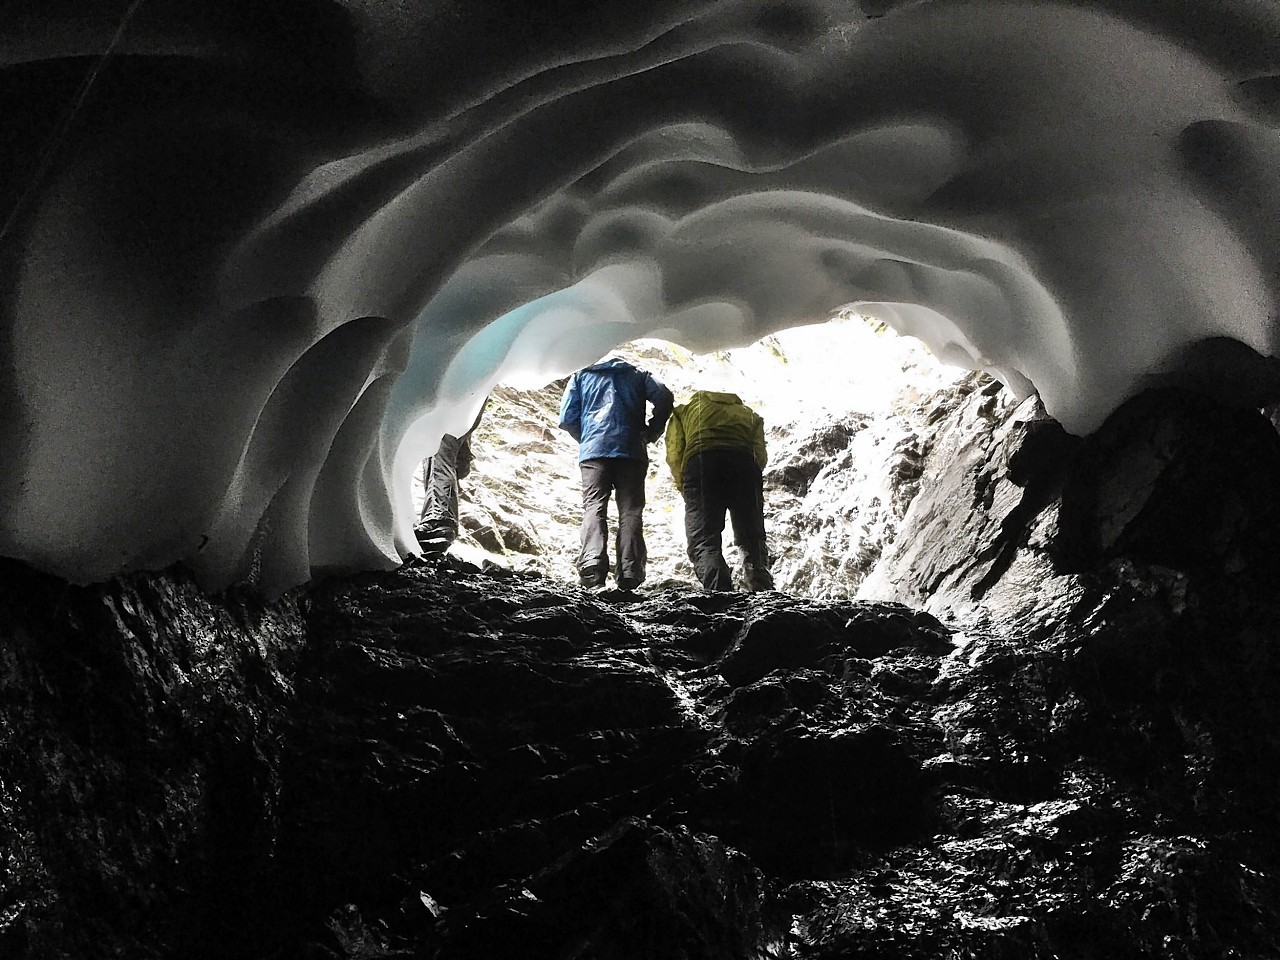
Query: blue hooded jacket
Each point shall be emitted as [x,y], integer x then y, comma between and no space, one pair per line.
[603,408]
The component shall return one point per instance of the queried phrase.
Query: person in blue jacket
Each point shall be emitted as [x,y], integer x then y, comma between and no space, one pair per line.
[603,408]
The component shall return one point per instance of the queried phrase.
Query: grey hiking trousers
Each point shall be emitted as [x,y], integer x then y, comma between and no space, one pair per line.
[716,481]
[622,478]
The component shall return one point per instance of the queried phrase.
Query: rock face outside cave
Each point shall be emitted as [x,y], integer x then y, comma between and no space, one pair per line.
[445,763]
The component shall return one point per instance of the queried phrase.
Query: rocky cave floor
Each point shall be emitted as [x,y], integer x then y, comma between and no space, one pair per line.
[443,762]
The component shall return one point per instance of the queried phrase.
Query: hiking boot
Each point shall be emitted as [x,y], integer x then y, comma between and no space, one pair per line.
[435,544]
[756,573]
[434,536]
[591,577]
[627,584]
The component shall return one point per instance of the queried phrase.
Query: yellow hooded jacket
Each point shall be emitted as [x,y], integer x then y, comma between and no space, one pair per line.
[712,421]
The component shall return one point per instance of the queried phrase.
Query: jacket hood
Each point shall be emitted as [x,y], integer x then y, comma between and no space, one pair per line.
[610,363]
[716,396]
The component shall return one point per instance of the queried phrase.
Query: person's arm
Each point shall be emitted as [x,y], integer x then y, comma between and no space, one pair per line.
[476,422]
[571,410]
[663,401]
[675,449]
[757,442]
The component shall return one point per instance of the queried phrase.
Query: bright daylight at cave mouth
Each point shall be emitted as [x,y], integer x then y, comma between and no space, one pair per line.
[845,405]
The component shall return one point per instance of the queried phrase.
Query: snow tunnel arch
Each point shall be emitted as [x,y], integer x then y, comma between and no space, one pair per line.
[236,306]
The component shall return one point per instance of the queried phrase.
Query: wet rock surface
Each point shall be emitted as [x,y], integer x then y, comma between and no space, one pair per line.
[142,730]
[465,768]
[448,763]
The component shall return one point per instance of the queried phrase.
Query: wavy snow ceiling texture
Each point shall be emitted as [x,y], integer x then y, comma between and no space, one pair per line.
[259,254]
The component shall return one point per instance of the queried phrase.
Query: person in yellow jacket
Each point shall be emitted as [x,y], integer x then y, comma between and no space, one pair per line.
[716,452]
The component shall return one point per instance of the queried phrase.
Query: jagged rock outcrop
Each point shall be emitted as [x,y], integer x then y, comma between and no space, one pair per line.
[837,489]
[951,536]
[1015,515]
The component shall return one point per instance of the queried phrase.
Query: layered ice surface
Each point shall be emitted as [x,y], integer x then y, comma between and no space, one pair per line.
[257,261]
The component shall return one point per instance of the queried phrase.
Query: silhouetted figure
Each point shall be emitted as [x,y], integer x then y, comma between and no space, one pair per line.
[603,408]
[716,452]
[438,523]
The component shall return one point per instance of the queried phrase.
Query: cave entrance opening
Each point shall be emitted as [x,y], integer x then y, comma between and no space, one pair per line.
[841,400]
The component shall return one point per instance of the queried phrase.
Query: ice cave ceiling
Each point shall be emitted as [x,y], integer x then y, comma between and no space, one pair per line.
[258,254]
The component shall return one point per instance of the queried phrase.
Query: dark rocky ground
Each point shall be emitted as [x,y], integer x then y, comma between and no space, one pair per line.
[448,763]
